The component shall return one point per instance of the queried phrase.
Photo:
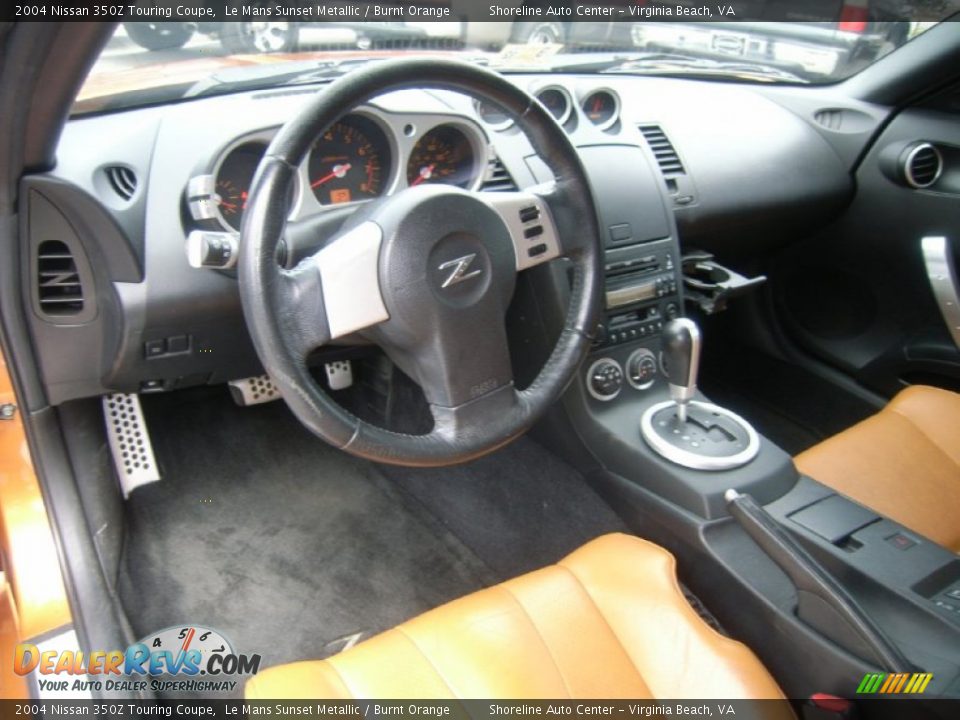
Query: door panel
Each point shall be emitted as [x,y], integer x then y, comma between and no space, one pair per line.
[858,294]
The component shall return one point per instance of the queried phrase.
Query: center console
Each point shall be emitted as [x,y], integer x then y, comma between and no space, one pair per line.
[670,461]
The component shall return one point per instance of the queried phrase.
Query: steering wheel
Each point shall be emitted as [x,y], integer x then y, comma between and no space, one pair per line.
[426,274]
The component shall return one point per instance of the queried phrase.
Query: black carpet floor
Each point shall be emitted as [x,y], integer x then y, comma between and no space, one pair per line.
[518,509]
[285,545]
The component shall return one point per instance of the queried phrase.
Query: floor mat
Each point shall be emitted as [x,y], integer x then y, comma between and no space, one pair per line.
[267,534]
[518,509]
[285,545]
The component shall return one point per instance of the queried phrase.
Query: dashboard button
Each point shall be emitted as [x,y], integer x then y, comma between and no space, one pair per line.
[154,348]
[178,344]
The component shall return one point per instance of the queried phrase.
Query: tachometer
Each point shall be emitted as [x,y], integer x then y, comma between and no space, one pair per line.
[233,181]
[350,162]
[443,155]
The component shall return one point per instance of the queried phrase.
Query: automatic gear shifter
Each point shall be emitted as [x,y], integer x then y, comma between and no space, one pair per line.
[681,359]
[689,432]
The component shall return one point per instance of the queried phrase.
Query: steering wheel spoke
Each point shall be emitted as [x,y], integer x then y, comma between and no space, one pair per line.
[334,292]
[497,408]
[530,220]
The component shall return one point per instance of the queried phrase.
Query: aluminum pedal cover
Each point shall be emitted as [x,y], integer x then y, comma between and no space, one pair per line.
[253,390]
[129,442]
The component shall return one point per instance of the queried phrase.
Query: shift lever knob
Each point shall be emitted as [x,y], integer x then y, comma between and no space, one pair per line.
[681,356]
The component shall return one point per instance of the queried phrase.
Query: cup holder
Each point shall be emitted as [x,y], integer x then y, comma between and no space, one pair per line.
[711,285]
[706,275]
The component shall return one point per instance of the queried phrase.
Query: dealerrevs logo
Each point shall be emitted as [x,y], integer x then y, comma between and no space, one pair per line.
[178,659]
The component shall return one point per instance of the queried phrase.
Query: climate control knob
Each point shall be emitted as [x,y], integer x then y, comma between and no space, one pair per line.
[605,379]
[641,369]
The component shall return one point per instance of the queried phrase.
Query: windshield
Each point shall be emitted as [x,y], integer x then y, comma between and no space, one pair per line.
[159,59]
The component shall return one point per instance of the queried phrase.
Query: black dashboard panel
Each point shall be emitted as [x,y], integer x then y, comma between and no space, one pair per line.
[739,171]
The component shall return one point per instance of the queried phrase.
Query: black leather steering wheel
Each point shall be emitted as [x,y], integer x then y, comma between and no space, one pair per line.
[426,274]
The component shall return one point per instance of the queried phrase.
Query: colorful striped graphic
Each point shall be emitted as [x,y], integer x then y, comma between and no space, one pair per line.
[894,683]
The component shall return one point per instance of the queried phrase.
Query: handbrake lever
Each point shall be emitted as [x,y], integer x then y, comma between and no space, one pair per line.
[821,600]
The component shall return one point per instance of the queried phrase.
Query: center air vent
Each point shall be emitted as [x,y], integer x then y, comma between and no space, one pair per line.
[663,150]
[59,290]
[498,178]
[122,179]
[922,165]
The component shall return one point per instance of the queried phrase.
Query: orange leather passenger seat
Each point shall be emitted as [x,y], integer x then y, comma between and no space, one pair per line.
[608,621]
[903,462]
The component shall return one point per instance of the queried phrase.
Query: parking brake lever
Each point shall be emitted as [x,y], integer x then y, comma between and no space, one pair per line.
[822,602]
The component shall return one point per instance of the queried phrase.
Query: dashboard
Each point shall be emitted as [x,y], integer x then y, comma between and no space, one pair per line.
[130,187]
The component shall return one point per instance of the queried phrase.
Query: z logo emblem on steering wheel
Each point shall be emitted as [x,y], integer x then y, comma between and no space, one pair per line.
[460,266]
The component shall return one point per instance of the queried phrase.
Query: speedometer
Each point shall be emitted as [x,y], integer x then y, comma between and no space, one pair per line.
[443,155]
[350,162]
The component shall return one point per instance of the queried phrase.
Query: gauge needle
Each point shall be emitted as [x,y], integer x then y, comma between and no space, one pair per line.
[338,172]
[426,173]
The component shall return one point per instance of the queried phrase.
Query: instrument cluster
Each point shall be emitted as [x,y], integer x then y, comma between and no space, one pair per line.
[598,107]
[363,156]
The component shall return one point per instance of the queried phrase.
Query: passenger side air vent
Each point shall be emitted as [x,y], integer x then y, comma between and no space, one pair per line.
[497,178]
[122,180]
[59,290]
[663,150]
[922,165]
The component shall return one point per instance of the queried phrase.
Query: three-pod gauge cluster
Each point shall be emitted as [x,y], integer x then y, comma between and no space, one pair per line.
[598,106]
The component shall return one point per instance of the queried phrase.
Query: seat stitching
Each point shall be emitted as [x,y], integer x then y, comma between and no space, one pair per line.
[607,623]
[543,640]
[429,661]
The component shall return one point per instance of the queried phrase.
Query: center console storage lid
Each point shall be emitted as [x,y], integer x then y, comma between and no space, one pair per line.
[834,518]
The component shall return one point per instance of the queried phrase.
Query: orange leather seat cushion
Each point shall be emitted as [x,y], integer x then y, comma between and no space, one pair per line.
[903,462]
[608,621]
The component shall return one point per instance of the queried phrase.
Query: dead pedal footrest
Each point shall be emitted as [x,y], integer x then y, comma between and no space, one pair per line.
[129,442]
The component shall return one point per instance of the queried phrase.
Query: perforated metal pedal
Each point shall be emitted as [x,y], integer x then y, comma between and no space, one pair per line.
[129,442]
[339,374]
[253,390]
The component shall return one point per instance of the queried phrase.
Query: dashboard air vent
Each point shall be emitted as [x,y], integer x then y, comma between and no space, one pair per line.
[498,179]
[663,150]
[122,179]
[59,291]
[922,165]
[830,118]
